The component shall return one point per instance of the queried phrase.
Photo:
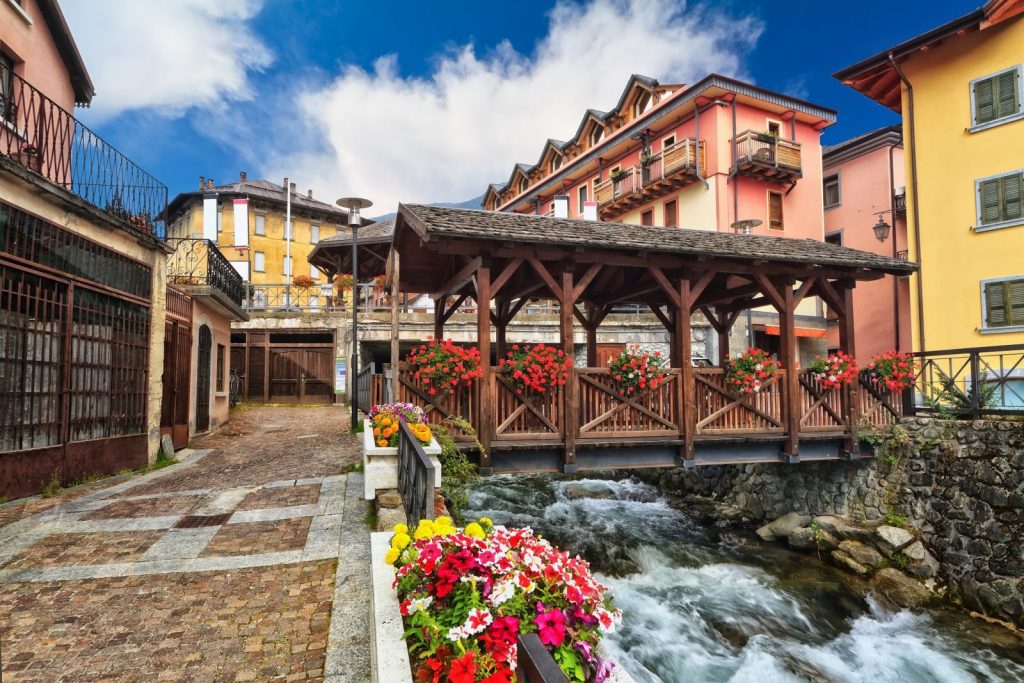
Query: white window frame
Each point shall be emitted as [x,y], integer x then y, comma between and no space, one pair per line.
[259,262]
[287,265]
[314,272]
[314,231]
[1013,222]
[839,187]
[663,144]
[975,126]
[260,225]
[767,127]
[582,195]
[984,329]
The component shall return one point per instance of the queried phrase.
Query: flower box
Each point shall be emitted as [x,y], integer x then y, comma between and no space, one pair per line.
[380,465]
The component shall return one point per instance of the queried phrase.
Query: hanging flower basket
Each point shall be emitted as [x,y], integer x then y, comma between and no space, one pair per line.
[441,367]
[836,370]
[536,369]
[467,594]
[343,281]
[749,373]
[303,281]
[892,370]
[635,371]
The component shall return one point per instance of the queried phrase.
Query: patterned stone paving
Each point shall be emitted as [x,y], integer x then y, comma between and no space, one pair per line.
[257,537]
[100,585]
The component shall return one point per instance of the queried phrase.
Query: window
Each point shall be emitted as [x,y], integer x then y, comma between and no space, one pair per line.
[314,272]
[220,368]
[556,163]
[6,87]
[647,218]
[582,196]
[1004,302]
[258,261]
[523,184]
[775,210]
[668,142]
[286,265]
[261,224]
[831,191]
[775,129]
[996,97]
[642,104]
[671,214]
[835,238]
[220,216]
[596,134]
[999,199]
[314,234]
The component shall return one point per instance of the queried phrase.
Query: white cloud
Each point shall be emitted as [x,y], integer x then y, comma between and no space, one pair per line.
[444,137]
[167,55]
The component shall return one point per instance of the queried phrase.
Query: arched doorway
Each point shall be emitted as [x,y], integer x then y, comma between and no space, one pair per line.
[203,379]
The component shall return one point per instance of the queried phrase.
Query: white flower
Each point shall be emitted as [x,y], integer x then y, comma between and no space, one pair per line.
[477,621]
[419,604]
[501,593]
[457,633]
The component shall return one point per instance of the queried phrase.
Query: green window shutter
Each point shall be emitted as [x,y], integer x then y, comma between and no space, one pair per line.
[1012,190]
[995,304]
[984,101]
[1007,103]
[1016,302]
[988,192]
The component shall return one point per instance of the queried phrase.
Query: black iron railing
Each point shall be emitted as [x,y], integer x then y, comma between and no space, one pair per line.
[415,477]
[534,664]
[364,386]
[198,262]
[45,138]
[970,382]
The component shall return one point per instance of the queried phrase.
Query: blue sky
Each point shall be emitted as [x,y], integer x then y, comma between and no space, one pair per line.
[298,88]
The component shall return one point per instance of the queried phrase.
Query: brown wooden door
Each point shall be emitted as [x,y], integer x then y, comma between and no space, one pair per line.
[301,373]
[605,352]
[176,375]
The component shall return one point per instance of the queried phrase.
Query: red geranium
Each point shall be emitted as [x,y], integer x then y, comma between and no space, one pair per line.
[893,370]
[749,373]
[441,367]
[635,371]
[536,369]
[836,370]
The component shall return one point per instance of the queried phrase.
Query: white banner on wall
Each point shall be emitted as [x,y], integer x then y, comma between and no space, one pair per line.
[241,222]
[210,217]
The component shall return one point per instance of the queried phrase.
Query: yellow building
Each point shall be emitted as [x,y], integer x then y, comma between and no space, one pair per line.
[960,90]
[246,219]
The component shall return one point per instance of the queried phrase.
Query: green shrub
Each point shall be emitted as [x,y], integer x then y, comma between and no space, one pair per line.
[457,472]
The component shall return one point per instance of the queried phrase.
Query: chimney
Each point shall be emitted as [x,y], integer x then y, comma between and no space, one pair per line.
[590,211]
[202,182]
[310,194]
[209,183]
[561,206]
[291,186]
[284,185]
[242,176]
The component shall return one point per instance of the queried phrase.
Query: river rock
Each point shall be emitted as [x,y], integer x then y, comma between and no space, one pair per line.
[862,554]
[809,538]
[843,529]
[783,526]
[576,491]
[889,539]
[900,589]
[844,560]
[920,562]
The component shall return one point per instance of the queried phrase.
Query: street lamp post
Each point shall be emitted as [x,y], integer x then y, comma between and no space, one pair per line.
[354,205]
[881,230]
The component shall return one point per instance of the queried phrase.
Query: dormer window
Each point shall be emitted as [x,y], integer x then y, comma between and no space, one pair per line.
[596,135]
[523,184]
[642,104]
[556,163]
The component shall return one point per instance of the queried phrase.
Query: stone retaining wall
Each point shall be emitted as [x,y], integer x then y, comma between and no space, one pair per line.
[960,484]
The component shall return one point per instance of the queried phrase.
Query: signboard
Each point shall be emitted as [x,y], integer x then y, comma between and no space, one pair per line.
[339,375]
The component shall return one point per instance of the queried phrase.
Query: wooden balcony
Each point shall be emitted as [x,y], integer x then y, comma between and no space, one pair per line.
[668,170]
[767,157]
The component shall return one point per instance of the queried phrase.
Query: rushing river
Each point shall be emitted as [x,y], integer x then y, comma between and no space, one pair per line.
[702,606]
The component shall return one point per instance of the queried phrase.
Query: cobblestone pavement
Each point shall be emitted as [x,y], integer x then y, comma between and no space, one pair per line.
[225,567]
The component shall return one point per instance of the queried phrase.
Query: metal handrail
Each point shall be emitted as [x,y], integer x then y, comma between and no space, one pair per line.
[198,262]
[415,477]
[364,383]
[43,137]
[969,382]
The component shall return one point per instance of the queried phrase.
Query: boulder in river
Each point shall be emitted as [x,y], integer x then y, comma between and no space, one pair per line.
[844,529]
[596,490]
[920,562]
[889,539]
[900,589]
[862,554]
[843,559]
[810,538]
[783,526]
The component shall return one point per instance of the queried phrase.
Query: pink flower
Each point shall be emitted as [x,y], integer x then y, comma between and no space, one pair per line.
[550,626]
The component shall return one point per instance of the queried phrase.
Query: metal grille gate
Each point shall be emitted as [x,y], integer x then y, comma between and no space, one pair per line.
[203,379]
[177,367]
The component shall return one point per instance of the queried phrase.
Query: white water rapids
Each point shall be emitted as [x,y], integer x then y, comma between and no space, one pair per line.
[699,607]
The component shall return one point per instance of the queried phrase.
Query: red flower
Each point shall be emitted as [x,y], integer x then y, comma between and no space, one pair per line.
[463,670]
[550,626]
[499,676]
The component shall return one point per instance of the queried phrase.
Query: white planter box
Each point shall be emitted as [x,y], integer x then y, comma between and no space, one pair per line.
[388,629]
[380,465]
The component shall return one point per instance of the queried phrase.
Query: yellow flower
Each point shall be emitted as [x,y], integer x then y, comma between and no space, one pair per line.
[443,521]
[444,530]
[423,531]
[391,556]
[474,530]
[400,541]
[486,521]
[401,529]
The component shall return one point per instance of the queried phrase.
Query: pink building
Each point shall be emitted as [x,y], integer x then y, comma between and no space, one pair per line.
[863,185]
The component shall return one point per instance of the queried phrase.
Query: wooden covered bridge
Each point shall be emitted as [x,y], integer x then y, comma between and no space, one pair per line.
[588,267]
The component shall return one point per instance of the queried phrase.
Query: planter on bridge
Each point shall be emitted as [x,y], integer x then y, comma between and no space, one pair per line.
[380,464]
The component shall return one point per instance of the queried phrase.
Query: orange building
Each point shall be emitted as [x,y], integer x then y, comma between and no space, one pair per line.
[717,155]
[865,208]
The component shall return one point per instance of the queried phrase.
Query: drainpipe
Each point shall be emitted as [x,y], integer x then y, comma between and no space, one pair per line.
[697,111]
[895,250]
[917,211]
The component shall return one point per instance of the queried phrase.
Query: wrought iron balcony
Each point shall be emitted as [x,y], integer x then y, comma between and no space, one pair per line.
[43,137]
[198,262]
[765,156]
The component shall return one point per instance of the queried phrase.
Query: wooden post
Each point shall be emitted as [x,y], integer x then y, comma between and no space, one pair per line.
[483,332]
[395,361]
[683,333]
[500,328]
[571,408]
[439,311]
[591,327]
[848,343]
[789,351]
[724,327]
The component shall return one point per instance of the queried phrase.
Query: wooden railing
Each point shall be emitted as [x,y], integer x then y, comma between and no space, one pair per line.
[764,149]
[524,417]
[879,407]
[415,477]
[821,408]
[607,412]
[463,403]
[369,387]
[681,155]
[609,190]
[721,412]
